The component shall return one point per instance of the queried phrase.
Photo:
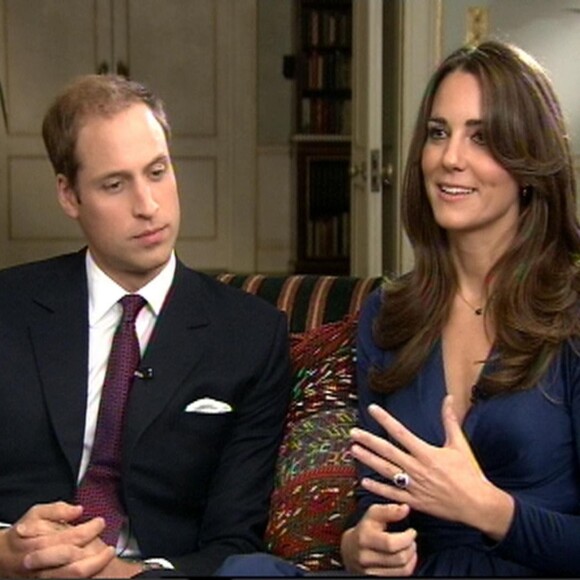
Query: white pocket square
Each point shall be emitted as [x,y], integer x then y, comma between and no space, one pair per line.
[208,405]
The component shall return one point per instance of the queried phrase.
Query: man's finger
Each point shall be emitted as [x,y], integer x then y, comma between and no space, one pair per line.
[47,518]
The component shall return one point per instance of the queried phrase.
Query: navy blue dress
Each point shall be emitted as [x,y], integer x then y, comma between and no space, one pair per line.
[527,443]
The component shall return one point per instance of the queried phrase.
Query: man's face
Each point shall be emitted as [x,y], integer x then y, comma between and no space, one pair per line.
[126,198]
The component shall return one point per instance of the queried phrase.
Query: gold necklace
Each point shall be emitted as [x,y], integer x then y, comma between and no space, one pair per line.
[477,311]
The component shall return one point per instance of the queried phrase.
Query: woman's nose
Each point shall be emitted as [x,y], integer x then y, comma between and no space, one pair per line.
[453,155]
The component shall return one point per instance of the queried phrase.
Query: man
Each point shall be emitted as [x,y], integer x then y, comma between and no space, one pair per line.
[205,411]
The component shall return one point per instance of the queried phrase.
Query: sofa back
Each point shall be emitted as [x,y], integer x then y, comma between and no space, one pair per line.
[309,301]
[315,475]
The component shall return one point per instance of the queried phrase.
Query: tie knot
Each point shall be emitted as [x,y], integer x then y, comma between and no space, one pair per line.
[132,304]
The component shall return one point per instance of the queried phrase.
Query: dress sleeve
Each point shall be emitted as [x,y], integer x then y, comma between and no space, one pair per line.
[369,355]
[541,538]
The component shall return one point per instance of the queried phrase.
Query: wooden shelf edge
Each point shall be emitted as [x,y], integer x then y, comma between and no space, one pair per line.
[320,137]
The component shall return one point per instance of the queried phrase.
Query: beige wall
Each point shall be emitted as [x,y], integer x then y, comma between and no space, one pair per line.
[548,30]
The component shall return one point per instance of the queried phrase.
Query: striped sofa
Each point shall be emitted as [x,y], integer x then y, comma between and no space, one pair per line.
[315,477]
[308,300]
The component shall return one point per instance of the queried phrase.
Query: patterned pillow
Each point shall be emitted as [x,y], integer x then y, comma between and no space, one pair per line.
[315,474]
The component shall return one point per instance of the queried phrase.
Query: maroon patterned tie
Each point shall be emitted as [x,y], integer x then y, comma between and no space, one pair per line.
[99,491]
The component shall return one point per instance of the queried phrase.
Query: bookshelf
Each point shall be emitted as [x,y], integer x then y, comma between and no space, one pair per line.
[323,185]
[323,37]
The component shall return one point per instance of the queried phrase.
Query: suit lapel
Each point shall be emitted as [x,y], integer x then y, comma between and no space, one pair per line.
[59,335]
[173,351]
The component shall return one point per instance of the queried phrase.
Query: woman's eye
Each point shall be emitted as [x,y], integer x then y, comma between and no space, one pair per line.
[435,133]
[478,138]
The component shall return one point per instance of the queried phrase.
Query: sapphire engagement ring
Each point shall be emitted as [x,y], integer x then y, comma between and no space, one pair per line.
[401,480]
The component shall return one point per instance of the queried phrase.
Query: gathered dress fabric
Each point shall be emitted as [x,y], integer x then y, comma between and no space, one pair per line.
[527,443]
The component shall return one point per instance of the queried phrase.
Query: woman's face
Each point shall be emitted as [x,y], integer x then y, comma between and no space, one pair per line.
[469,191]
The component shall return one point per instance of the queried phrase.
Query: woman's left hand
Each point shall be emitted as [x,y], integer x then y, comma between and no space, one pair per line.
[445,482]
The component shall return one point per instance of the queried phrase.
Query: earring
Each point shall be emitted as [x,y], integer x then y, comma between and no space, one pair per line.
[526,193]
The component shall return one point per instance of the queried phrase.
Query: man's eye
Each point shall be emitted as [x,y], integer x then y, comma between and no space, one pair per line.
[158,172]
[113,185]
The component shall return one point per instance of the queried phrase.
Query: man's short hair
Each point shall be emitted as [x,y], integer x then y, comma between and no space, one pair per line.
[87,97]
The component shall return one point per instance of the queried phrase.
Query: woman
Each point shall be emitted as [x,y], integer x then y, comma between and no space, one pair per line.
[468,366]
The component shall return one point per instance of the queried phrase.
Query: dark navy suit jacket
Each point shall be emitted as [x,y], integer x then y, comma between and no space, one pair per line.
[196,486]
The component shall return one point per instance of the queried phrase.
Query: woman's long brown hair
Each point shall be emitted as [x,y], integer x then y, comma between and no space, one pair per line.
[532,291]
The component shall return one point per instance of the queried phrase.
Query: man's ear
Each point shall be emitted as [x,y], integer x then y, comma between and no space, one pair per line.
[67,197]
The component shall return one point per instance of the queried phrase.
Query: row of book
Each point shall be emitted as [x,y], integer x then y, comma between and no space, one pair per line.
[328,71]
[325,116]
[327,28]
[329,237]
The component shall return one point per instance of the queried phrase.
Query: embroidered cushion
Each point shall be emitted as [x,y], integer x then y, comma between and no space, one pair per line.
[315,474]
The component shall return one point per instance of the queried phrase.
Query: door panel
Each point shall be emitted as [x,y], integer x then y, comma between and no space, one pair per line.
[34,59]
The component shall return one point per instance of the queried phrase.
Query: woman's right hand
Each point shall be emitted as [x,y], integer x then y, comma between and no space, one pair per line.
[369,547]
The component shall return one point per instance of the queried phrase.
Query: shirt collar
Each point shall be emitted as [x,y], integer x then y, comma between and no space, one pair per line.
[104,292]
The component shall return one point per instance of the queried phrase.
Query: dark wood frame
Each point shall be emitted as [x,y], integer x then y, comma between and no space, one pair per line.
[327,136]
[307,155]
